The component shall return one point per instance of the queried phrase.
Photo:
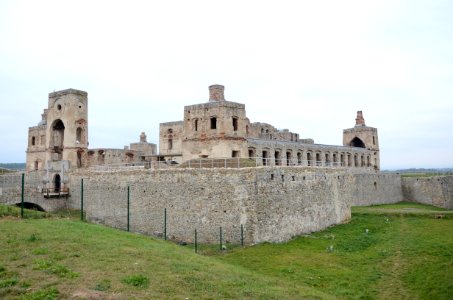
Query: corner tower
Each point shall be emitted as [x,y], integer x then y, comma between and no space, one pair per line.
[362,136]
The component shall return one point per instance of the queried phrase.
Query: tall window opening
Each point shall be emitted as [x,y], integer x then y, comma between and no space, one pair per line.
[36,165]
[235,124]
[79,159]
[374,141]
[299,158]
[79,136]
[195,124]
[57,183]
[265,163]
[213,123]
[288,158]
[309,159]
[170,142]
[277,158]
[318,159]
[57,136]
[33,140]
[251,152]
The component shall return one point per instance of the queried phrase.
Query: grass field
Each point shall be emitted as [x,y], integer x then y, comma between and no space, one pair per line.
[402,251]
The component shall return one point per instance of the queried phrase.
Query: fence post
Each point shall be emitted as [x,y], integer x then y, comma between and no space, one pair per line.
[220,238]
[196,243]
[128,196]
[242,235]
[81,200]
[165,223]
[22,197]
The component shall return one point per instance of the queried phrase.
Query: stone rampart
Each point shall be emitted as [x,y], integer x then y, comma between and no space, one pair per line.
[272,203]
[436,190]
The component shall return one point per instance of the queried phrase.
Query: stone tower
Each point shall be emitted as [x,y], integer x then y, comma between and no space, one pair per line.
[217,128]
[362,136]
[60,140]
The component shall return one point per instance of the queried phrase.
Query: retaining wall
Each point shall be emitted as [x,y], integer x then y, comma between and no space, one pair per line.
[273,203]
[435,190]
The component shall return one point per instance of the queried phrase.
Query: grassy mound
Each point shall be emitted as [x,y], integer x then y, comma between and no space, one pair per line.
[385,252]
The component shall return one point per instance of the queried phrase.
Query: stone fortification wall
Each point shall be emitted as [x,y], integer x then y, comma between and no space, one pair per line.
[436,190]
[273,204]
[11,191]
[376,188]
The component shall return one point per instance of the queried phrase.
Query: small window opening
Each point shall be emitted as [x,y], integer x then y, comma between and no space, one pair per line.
[272,176]
[33,141]
[213,123]
[283,177]
[59,106]
[293,178]
[235,153]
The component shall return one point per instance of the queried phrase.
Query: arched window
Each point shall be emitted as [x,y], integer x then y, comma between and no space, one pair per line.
[356,142]
[36,165]
[57,135]
[79,136]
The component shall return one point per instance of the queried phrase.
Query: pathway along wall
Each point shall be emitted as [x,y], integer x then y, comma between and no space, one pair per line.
[273,204]
[435,190]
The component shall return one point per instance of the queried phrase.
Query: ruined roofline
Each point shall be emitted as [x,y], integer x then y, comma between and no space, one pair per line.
[67,92]
[359,128]
[172,123]
[214,104]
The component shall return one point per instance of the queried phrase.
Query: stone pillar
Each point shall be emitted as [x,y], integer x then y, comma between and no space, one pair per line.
[143,138]
[216,92]
[359,121]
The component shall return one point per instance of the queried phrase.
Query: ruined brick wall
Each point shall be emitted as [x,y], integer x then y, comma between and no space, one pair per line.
[273,204]
[436,190]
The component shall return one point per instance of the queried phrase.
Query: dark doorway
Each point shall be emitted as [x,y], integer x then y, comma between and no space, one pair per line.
[57,183]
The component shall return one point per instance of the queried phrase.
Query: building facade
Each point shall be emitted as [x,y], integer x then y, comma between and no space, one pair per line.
[221,129]
[60,141]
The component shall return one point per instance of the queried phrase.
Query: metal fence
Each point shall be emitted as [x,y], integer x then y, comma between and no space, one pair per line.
[236,162]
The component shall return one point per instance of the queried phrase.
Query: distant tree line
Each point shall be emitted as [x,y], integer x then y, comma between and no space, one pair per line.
[13,166]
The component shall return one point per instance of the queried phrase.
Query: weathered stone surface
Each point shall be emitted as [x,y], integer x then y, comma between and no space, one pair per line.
[273,203]
[436,190]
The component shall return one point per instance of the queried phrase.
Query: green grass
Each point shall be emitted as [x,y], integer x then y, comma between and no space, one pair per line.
[385,252]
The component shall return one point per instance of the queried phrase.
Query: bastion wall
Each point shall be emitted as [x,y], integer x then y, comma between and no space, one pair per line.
[272,204]
[436,190]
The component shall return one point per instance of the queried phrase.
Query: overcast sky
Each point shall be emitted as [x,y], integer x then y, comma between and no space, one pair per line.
[307,66]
